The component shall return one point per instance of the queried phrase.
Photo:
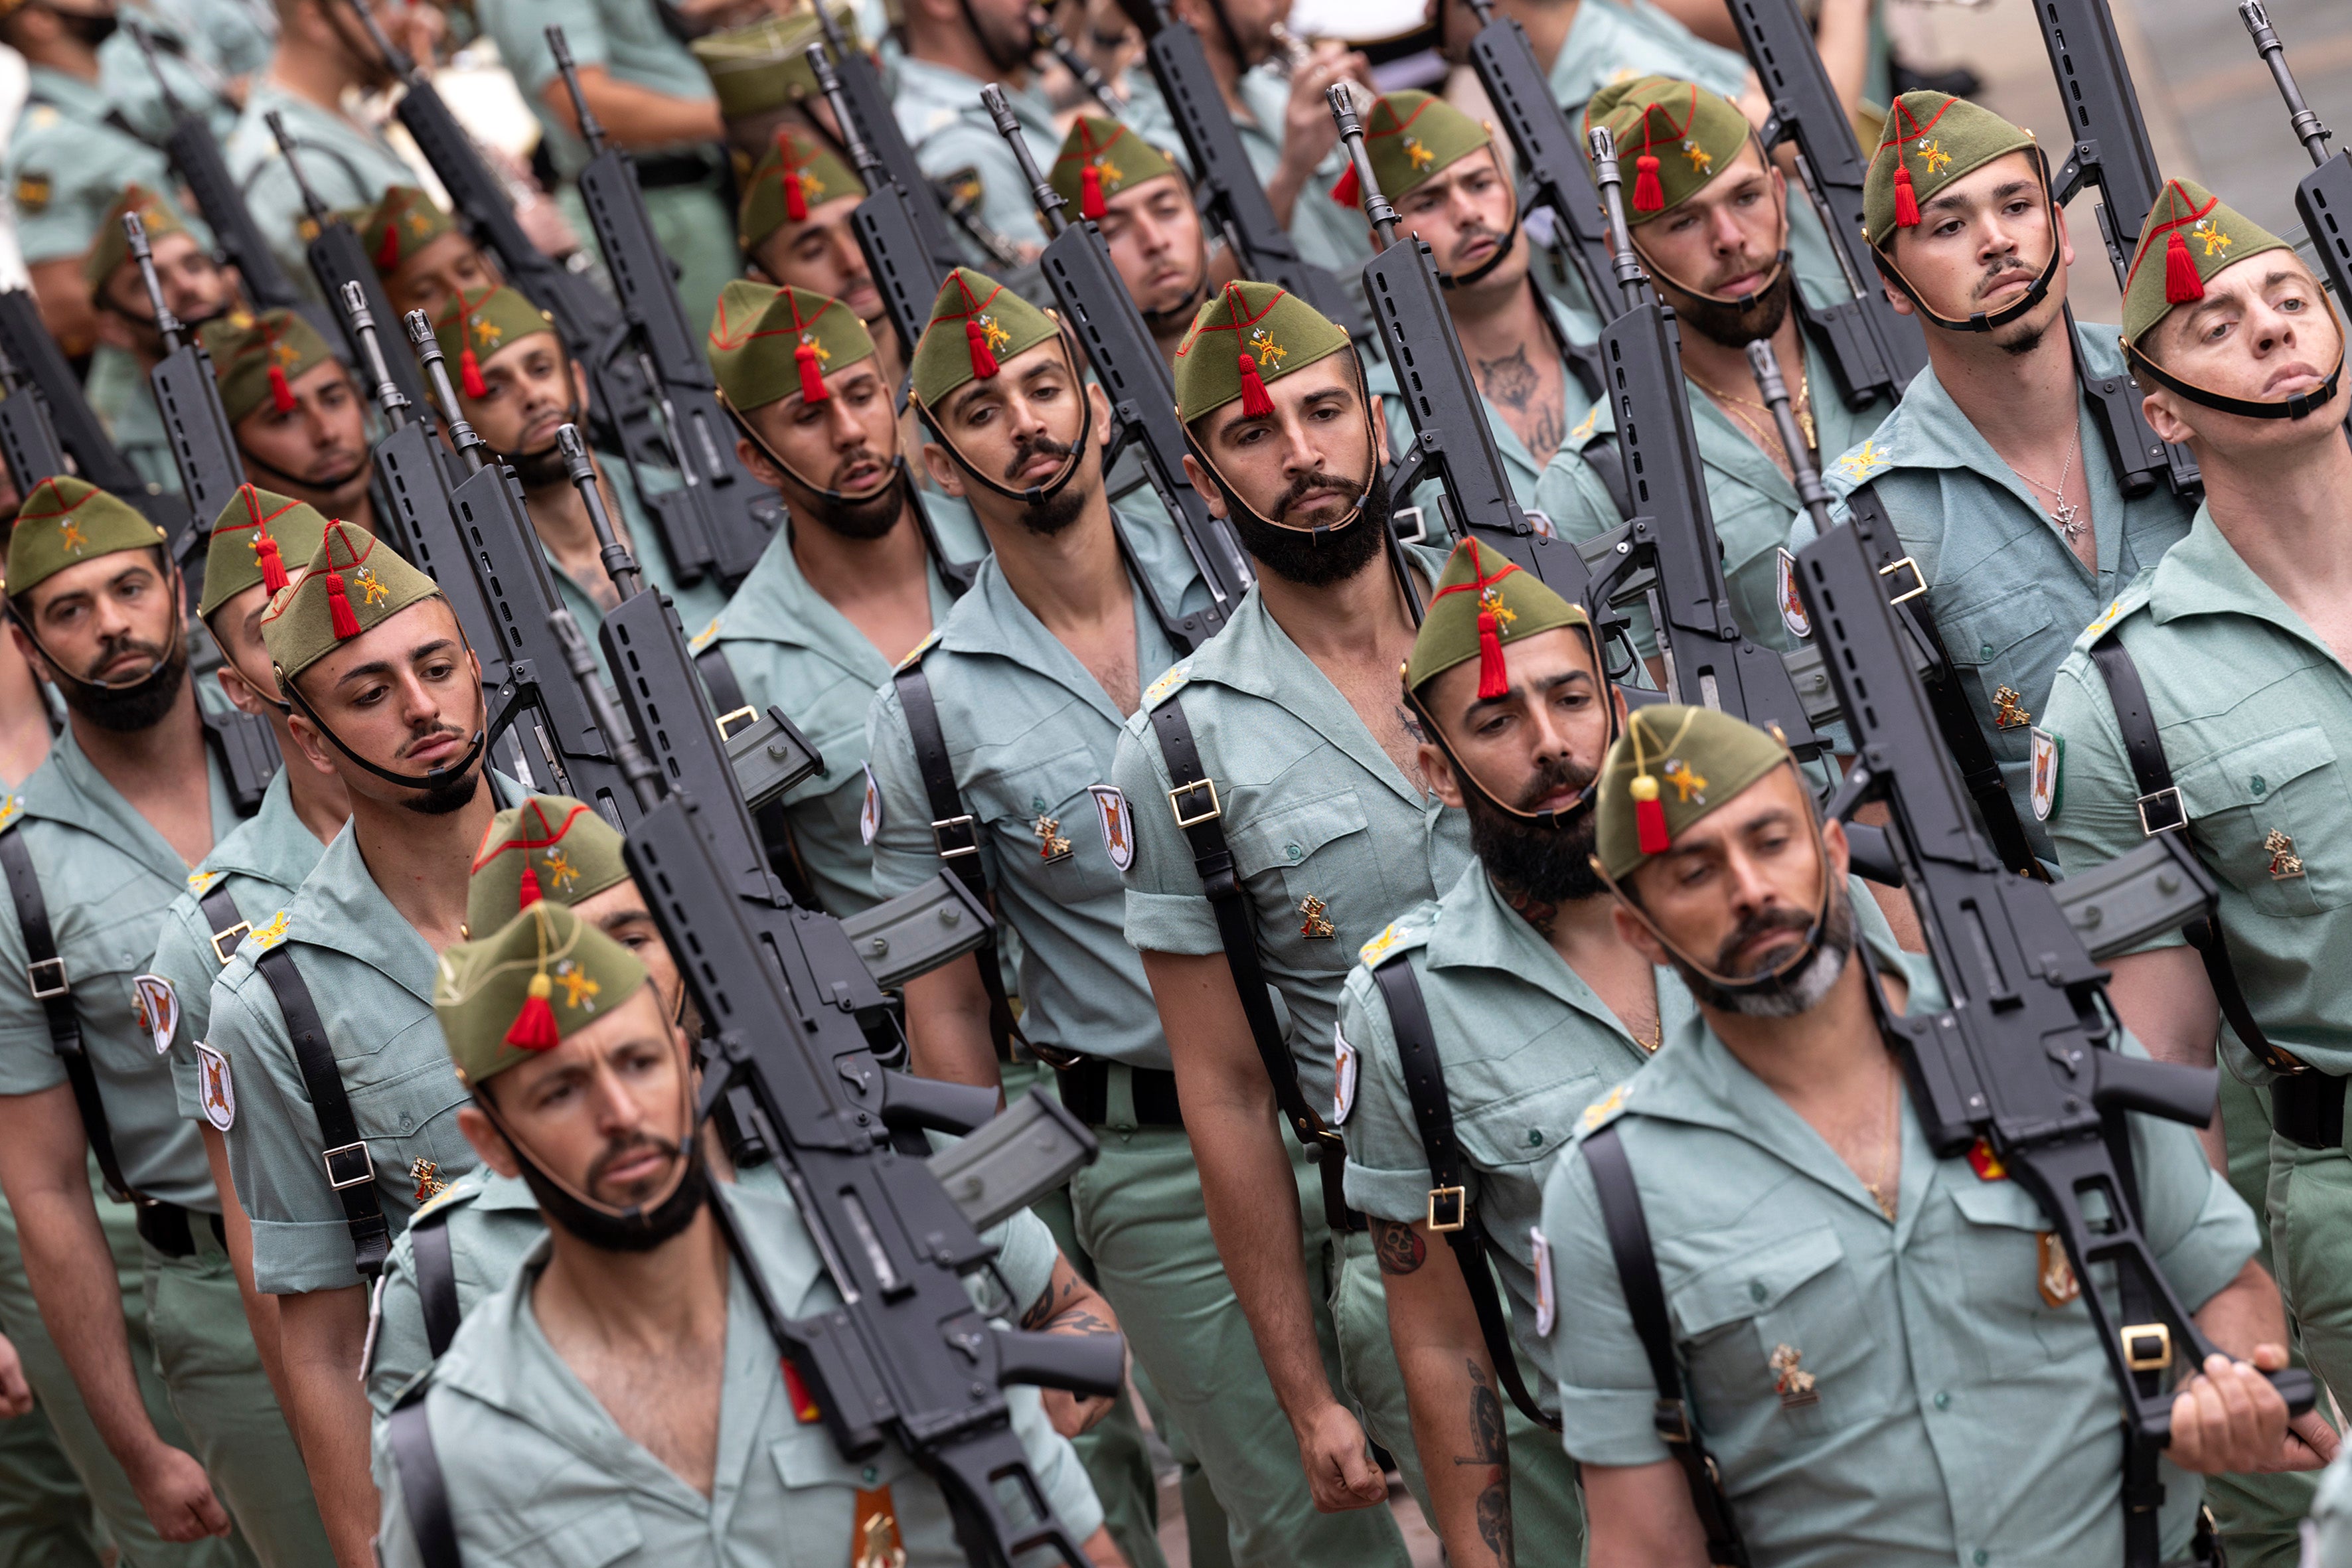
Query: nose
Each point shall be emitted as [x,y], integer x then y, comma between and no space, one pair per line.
[841,425]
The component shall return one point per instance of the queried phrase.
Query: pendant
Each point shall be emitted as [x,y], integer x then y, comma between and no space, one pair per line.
[1805,427]
[2063,515]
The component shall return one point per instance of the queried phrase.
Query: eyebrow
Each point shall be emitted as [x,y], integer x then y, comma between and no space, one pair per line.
[1315,399]
[1549,684]
[1953,201]
[384,665]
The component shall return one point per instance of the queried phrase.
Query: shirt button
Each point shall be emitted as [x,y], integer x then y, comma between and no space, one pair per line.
[1985,652]
[873,1475]
[1944,1402]
[1534,1137]
[2256,784]
[1755,1291]
[1982,1557]
[1293,851]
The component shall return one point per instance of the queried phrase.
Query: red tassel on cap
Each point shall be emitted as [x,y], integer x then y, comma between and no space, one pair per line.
[528,893]
[811,376]
[796,198]
[387,255]
[1494,680]
[984,363]
[281,396]
[1906,205]
[470,375]
[534,1027]
[1649,196]
[273,565]
[2181,284]
[1350,191]
[1650,816]
[1255,402]
[339,609]
[1091,205]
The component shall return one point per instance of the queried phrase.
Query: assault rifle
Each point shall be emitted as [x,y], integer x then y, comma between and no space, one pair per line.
[888,223]
[1670,538]
[1050,40]
[905,1357]
[862,108]
[719,520]
[1231,200]
[28,441]
[1873,351]
[204,447]
[2024,1055]
[587,321]
[2324,197]
[2111,151]
[41,368]
[1142,395]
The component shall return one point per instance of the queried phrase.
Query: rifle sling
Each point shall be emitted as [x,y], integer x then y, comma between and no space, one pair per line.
[1212,857]
[1433,1114]
[437,1279]
[1645,1300]
[424,1494]
[2161,811]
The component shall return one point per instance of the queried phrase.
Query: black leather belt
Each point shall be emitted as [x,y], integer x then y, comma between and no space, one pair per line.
[667,169]
[2309,1108]
[1086,1094]
[166,1228]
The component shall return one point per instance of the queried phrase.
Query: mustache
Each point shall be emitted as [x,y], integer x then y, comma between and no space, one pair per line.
[115,648]
[863,455]
[1311,483]
[1472,235]
[1760,923]
[1553,774]
[1999,273]
[440,729]
[1032,447]
[625,1148]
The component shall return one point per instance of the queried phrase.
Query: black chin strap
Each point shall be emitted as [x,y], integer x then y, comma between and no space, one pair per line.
[2300,406]
[1553,820]
[64,679]
[1486,269]
[295,481]
[433,778]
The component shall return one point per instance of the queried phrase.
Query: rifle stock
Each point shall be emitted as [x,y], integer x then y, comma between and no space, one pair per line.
[862,109]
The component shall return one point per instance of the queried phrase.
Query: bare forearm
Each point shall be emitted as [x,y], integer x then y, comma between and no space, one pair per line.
[1842,37]
[2244,1313]
[72,1273]
[322,1334]
[1450,1388]
[2165,1000]
[236,1231]
[636,116]
[1640,1516]
[948,1036]
[1247,1183]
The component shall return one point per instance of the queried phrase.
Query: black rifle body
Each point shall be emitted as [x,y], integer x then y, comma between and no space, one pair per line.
[1549,153]
[42,367]
[878,127]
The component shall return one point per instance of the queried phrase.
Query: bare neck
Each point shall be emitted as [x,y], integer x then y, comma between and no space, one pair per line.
[957,49]
[1492,320]
[65,55]
[420,863]
[1722,371]
[146,766]
[2018,403]
[2285,516]
[637,1306]
[560,516]
[1075,581]
[319,801]
[1358,620]
[1225,68]
[846,571]
[313,75]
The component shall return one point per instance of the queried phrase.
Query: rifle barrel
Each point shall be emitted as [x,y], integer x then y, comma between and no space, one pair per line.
[1774,388]
[1630,277]
[1050,205]
[591,132]
[862,156]
[2308,130]
[166,323]
[1352,133]
[146,43]
[581,471]
[388,395]
[470,445]
[311,202]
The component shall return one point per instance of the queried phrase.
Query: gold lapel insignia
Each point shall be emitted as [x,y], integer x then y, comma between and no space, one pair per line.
[1052,845]
[2210,232]
[1934,156]
[1269,354]
[1690,784]
[2008,709]
[2054,1273]
[426,1174]
[1795,1385]
[372,589]
[71,536]
[1312,923]
[2285,864]
[580,989]
[997,335]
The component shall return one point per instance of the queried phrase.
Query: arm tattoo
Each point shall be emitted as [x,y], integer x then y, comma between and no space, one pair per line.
[1488,1442]
[1399,1247]
[1494,1520]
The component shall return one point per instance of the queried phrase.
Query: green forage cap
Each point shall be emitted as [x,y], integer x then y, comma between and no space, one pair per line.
[1672,137]
[353,582]
[1672,766]
[1482,601]
[798,173]
[109,247]
[1931,139]
[1099,159]
[977,324]
[543,975]
[65,522]
[768,343]
[399,226]
[1276,333]
[1411,137]
[2189,236]
[765,66]
[260,537]
[256,357]
[476,325]
[568,853]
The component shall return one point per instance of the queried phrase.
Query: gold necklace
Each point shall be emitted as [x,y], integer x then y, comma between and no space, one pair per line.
[1889,1145]
[1803,408]
[1657,1036]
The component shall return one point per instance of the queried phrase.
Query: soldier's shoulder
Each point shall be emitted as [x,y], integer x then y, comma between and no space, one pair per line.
[2121,608]
[1170,681]
[1409,931]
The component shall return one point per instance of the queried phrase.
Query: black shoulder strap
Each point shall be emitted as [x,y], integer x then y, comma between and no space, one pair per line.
[1955,720]
[776,841]
[422,1493]
[1193,800]
[1450,1209]
[351,1169]
[1602,455]
[53,989]
[225,920]
[247,752]
[1645,1300]
[955,833]
[2161,811]
[437,1279]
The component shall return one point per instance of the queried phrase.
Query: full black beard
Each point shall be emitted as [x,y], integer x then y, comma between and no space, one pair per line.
[542,469]
[639,1230]
[1799,991]
[1733,327]
[870,518]
[1551,864]
[454,795]
[1057,511]
[1317,561]
[127,709]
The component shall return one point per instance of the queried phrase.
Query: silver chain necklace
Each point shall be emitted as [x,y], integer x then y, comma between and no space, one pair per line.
[2062,515]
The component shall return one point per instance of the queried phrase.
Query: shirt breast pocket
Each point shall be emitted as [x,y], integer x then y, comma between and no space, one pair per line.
[2259,808]
[2010,645]
[1778,1333]
[1509,1135]
[2003,1268]
[408,1117]
[588,1540]
[1312,868]
[1044,822]
[822,1512]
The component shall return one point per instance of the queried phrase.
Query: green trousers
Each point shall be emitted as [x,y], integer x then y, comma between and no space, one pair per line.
[1141,1218]
[45,1515]
[1546,1506]
[2303,1200]
[109,1489]
[213,1375]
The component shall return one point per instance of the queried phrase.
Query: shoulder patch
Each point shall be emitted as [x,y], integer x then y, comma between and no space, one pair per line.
[915,655]
[215,1090]
[702,638]
[201,882]
[1170,681]
[1605,1110]
[266,936]
[1864,461]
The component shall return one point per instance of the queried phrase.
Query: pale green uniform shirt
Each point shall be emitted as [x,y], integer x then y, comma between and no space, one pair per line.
[955,143]
[568,1486]
[200,46]
[67,163]
[370,975]
[627,41]
[1314,810]
[107,876]
[2327,1533]
[789,648]
[346,167]
[1960,1419]
[695,605]
[2008,592]
[1029,734]
[1616,40]
[258,866]
[1746,492]
[119,393]
[2253,710]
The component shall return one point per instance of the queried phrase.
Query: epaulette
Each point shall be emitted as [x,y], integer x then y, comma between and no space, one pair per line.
[1864,463]
[2133,597]
[200,882]
[267,935]
[703,638]
[11,808]
[1170,681]
[915,655]
[460,1191]
[1410,930]
[1583,432]
[1605,1110]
